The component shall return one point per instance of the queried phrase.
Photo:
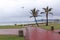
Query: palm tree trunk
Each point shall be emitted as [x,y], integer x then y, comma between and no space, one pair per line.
[36,22]
[47,19]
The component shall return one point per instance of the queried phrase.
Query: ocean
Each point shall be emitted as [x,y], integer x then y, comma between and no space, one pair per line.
[28,22]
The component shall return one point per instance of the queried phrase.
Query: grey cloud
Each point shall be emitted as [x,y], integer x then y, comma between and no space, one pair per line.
[11,10]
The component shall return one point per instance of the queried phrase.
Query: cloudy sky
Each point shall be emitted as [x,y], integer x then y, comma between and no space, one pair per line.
[12,10]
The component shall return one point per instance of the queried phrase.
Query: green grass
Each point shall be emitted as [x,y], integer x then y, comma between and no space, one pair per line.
[42,25]
[10,26]
[10,37]
[56,26]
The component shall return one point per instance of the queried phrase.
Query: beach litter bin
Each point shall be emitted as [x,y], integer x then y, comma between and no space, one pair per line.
[58,32]
[20,33]
[52,28]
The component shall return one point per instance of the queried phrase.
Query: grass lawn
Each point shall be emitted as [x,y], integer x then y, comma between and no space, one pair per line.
[42,25]
[56,26]
[10,27]
[10,37]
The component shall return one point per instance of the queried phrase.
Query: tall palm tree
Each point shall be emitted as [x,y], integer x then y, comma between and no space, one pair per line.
[34,13]
[47,11]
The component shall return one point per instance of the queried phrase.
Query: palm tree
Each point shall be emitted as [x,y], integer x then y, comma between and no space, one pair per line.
[47,11]
[34,13]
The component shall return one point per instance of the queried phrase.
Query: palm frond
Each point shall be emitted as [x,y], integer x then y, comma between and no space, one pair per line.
[42,12]
[51,13]
[50,9]
[44,8]
[31,10]
[34,12]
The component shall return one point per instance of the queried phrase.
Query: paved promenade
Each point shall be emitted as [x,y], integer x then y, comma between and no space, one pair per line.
[35,33]
[10,31]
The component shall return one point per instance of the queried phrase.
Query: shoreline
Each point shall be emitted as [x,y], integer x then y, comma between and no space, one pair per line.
[4,24]
[27,23]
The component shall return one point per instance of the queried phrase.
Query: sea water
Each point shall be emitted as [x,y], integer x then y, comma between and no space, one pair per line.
[25,22]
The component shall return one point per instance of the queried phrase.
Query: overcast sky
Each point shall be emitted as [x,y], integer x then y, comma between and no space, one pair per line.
[12,10]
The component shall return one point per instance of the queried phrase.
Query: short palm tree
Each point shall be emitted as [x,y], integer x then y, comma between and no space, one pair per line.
[47,11]
[34,13]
